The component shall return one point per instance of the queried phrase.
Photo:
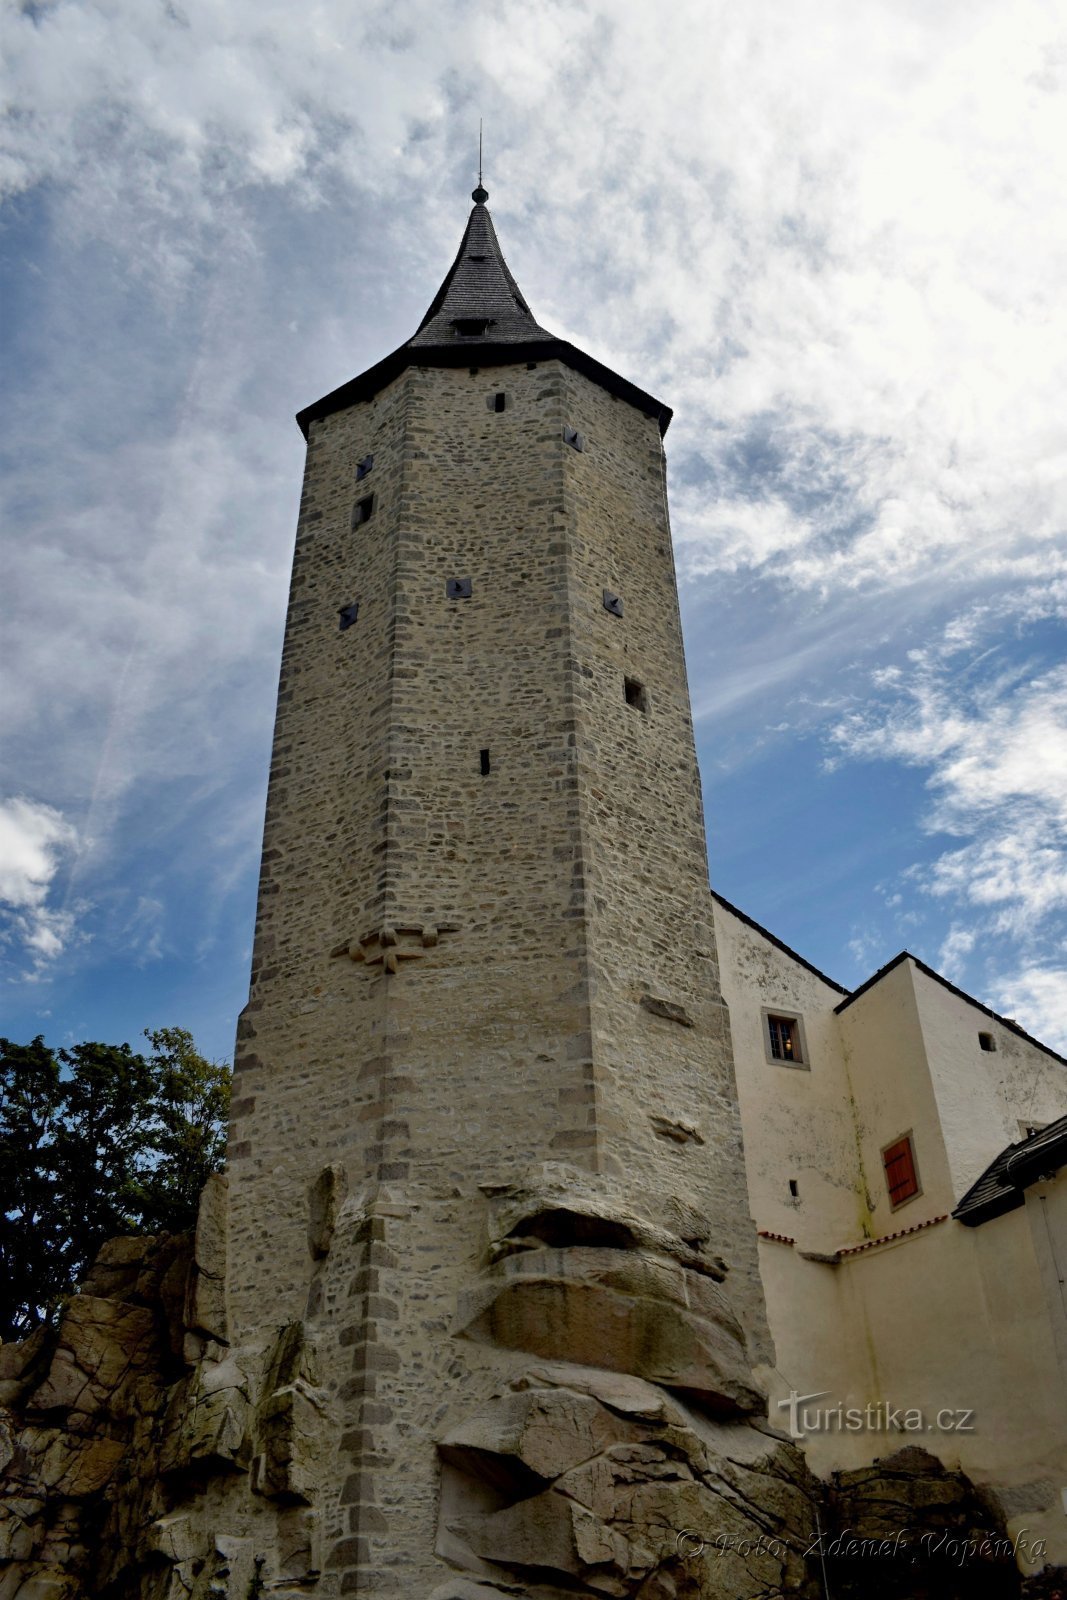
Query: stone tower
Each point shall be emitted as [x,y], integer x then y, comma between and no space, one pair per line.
[484,1103]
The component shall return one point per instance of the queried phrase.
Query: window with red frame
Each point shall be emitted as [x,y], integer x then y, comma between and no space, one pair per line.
[901,1179]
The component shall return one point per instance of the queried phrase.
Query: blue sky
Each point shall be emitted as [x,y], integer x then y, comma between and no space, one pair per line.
[831,236]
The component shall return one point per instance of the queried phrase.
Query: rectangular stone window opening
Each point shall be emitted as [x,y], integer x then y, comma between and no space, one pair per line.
[500,402]
[636,694]
[363,467]
[794,1189]
[348,615]
[363,510]
[483,758]
[612,603]
[901,1171]
[783,1039]
[987,1041]
[458,588]
[572,437]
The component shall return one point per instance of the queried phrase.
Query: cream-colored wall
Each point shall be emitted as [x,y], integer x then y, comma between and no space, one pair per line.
[982,1096]
[1046,1214]
[797,1122]
[948,1319]
[885,1053]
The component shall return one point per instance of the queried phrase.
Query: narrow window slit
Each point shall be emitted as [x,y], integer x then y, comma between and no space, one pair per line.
[636,694]
[483,757]
[363,510]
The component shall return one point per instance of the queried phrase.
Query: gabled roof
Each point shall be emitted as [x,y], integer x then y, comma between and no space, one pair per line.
[479,318]
[876,977]
[961,994]
[1000,1188]
[750,922]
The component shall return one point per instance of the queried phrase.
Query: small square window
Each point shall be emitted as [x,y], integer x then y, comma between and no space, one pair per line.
[612,603]
[987,1041]
[363,510]
[636,694]
[348,615]
[783,1039]
[901,1172]
[572,437]
[363,467]
[458,588]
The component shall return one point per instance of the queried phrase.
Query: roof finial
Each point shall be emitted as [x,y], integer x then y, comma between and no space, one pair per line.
[479,195]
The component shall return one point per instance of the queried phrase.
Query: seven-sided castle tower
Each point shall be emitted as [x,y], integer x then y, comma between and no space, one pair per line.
[485,1039]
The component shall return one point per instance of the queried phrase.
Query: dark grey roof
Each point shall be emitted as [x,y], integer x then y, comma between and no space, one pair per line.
[478,288]
[1000,1188]
[479,317]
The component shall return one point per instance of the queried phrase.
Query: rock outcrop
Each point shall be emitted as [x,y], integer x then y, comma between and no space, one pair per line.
[621,1451]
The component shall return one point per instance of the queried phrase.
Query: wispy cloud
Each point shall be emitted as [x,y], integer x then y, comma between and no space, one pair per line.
[990,730]
[830,236]
[1038,994]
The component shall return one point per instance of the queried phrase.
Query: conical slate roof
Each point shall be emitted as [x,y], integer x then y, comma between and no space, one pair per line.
[479,318]
[478,291]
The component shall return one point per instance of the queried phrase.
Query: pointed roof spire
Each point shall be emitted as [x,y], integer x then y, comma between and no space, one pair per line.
[479,318]
[479,302]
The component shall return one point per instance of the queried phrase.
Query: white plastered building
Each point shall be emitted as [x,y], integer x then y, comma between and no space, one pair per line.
[906,1153]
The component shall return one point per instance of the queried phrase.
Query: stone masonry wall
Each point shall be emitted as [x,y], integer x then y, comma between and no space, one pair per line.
[462,975]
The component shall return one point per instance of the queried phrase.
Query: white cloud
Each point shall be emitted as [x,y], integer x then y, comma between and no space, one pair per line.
[34,839]
[957,945]
[1036,997]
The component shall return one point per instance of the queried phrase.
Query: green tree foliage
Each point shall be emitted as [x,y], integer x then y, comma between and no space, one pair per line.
[95,1141]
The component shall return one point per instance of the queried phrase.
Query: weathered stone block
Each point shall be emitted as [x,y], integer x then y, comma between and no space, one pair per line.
[100,1341]
[617,1309]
